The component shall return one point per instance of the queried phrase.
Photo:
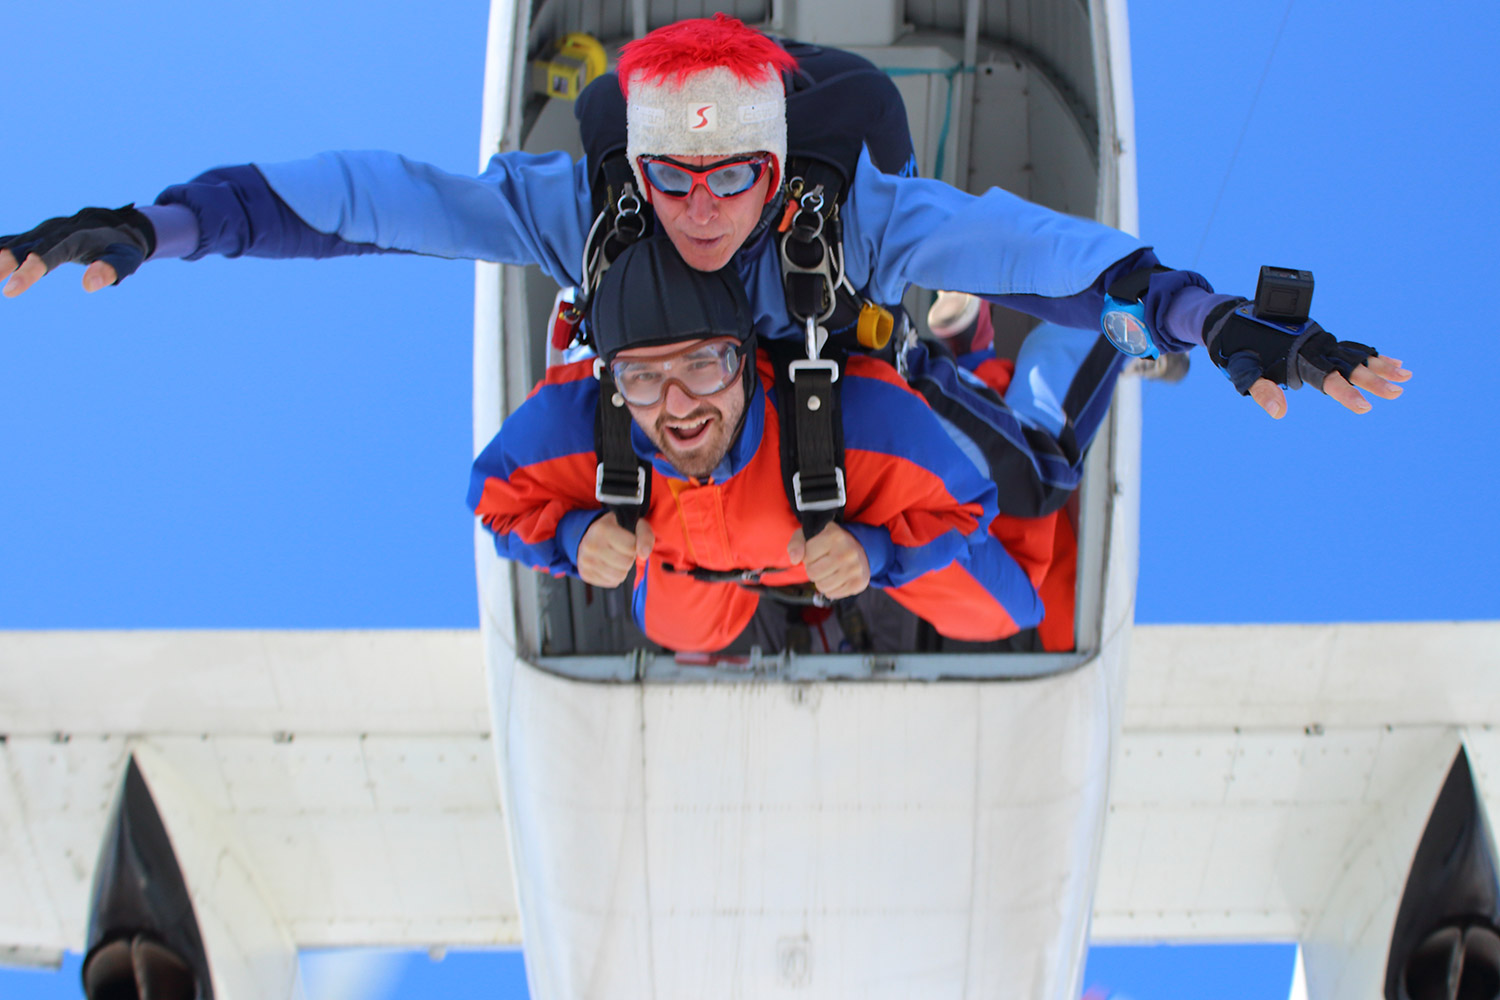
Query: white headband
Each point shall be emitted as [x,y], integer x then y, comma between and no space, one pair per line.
[714,113]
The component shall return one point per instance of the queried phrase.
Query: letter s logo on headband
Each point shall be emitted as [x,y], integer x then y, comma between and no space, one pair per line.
[704,118]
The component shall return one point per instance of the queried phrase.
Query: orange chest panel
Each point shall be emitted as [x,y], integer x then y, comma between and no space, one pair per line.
[744,523]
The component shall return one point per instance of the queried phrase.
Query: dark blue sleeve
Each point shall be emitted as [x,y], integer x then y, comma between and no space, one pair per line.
[239,214]
[1081,311]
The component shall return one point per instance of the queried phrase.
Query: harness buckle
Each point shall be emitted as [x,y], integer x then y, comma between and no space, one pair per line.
[828,270]
[814,365]
[828,504]
[639,497]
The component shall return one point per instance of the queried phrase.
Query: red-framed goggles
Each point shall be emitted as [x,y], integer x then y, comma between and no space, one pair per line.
[723,179]
[701,370]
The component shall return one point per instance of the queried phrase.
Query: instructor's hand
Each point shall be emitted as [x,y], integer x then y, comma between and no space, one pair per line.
[835,561]
[608,551]
[111,241]
[1260,359]
[1376,376]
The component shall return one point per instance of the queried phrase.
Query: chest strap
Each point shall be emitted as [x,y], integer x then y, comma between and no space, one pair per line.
[812,435]
[622,482]
[804,594]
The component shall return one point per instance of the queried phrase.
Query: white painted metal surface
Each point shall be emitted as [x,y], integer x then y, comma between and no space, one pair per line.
[228,683]
[1271,783]
[1274,781]
[351,769]
[873,840]
[250,948]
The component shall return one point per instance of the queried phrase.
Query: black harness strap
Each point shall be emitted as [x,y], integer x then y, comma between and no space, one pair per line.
[811,245]
[621,217]
[801,594]
[812,431]
[623,481]
[812,435]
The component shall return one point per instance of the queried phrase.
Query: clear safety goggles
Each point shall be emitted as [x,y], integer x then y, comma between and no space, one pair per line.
[723,179]
[700,370]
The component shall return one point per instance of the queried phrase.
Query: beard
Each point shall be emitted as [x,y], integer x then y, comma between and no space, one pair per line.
[706,451]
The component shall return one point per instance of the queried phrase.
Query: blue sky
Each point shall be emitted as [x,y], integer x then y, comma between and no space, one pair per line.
[285,444]
[1366,160]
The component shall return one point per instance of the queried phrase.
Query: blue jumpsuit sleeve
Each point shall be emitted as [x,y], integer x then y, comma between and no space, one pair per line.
[1082,311]
[885,419]
[901,231]
[880,418]
[880,551]
[536,502]
[524,208]
[238,214]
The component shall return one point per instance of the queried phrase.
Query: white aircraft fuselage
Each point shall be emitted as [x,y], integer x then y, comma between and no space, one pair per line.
[907,824]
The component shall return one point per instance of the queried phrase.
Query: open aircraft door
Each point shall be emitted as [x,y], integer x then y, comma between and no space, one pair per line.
[760,824]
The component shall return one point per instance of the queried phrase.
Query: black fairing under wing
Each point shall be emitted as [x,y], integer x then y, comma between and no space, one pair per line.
[1445,944]
[143,937]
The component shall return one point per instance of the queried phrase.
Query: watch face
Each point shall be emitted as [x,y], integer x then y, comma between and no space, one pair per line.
[1127,332]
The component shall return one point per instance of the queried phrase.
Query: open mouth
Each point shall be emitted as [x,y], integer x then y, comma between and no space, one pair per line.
[689,434]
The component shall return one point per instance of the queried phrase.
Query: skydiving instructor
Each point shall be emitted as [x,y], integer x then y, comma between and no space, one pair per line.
[539,209]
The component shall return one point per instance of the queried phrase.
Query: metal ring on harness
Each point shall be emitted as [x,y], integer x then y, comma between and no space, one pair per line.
[829,267]
[627,224]
[628,208]
[809,204]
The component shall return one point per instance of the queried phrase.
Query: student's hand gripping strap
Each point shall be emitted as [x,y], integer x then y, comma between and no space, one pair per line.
[121,237]
[1247,349]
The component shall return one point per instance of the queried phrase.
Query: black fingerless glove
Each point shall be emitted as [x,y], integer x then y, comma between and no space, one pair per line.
[1247,349]
[121,237]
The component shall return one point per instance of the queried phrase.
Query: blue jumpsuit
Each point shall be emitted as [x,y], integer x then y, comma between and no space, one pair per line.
[898,231]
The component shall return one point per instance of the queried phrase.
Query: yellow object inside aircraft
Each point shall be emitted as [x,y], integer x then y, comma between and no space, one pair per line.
[579,60]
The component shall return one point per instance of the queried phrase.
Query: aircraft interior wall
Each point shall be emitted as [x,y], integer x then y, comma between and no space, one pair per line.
[1025,117]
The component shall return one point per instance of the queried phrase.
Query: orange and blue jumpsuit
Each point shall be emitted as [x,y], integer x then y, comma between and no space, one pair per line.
[916,503]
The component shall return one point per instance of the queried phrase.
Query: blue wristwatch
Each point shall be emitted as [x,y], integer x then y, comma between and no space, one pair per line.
[1124,323]
[1124,317]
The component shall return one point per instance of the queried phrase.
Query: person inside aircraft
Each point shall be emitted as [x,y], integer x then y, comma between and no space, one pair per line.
[714,530]
[690,106]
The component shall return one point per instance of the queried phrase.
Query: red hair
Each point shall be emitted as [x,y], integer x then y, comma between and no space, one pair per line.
[685,48]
